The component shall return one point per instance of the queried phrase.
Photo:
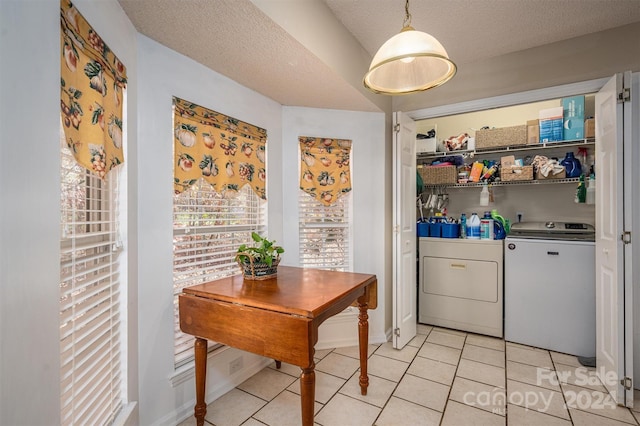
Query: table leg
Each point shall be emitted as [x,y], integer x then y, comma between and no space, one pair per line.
[363,341]
[308,393]
[200,349]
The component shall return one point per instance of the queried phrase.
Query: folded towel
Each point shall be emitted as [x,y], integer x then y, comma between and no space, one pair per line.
[456,143]
[547,166]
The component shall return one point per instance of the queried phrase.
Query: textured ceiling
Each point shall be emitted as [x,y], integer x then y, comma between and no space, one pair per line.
[475,29]
[236,39]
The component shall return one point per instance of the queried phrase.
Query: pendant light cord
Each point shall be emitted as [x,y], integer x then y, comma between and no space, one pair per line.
[407,18]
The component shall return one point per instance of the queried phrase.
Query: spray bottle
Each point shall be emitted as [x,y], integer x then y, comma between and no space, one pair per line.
[581,191]
[591,190]
[484,195]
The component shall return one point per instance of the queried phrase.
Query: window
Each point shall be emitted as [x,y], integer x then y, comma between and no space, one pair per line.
[324,233]
[91,330]
[207,230]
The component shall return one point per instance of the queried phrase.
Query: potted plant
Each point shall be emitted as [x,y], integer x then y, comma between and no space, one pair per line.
[260,261]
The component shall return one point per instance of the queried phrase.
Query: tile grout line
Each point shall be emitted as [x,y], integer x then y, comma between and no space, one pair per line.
[403,374]
[455,373]
[359,400]
[546,389]
[553,369]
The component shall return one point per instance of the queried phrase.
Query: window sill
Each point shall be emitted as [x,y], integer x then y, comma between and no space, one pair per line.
[125,416]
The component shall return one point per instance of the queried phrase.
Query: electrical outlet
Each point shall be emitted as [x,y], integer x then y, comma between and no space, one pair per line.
[235,365]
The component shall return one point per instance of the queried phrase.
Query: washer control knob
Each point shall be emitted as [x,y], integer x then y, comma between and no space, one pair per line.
[550,225]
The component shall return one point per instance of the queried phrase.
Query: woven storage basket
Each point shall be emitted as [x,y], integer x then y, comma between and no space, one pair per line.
[503,136]
[436,175]
[561,175]
[257,270]
[516,173]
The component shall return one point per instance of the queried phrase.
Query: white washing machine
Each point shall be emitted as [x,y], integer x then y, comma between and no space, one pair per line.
[461,284]
[550,287]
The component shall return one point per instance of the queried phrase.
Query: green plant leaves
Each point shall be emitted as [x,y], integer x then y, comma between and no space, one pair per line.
[263,252]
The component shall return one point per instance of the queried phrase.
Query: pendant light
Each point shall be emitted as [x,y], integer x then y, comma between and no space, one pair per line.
[411,61]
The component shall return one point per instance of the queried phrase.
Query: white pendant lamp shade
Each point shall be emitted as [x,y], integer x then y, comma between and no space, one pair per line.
[409,62]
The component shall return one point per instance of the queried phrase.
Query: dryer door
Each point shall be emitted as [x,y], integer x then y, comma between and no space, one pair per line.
[461,278]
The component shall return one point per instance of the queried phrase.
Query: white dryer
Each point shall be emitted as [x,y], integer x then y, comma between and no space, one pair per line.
[461,284]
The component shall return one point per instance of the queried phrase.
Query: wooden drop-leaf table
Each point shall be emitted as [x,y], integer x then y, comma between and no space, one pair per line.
[277,318]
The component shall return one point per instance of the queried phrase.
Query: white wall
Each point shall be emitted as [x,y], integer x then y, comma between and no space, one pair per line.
[163,74]
[537,203]
[367,132]
[28,309]
[30,206]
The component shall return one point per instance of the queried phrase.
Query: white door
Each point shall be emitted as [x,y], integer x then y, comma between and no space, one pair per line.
[610,282]
[404,230]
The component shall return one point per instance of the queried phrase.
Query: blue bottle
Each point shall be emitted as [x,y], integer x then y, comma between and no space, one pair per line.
[498,230]
[572,165]
[463,225]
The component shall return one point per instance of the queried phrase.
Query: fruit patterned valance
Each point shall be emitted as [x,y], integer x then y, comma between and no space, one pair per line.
[91,83]
[226,152]
[325,172]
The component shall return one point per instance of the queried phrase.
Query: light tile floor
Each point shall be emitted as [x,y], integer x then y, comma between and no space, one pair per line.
[442,377]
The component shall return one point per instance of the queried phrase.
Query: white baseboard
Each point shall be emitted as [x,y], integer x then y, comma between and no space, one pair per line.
[218,387]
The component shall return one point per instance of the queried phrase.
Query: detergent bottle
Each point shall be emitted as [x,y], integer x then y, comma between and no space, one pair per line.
[572,165]
[498,231]
[504,222]
[473,227]
[501,226]
[487,231]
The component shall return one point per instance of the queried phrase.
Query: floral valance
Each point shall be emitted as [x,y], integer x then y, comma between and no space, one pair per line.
[91,83]
[325,171]
[226,152]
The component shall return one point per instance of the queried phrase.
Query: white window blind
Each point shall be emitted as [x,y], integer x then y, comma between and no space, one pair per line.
[324,233]
[207,231]
[90,303]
